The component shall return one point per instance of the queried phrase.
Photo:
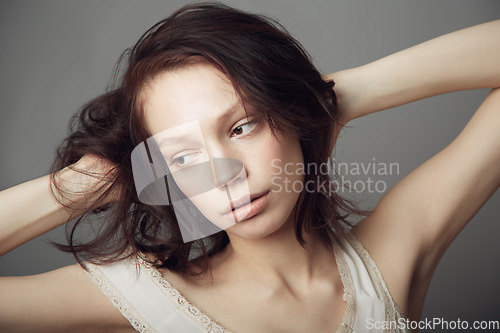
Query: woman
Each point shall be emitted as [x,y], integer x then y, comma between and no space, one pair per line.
[192,84]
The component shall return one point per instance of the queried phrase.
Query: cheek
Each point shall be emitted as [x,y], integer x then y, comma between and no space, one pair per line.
[285,187]
[278,156]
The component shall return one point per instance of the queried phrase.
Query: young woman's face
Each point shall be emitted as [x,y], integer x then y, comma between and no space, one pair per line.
[234,150]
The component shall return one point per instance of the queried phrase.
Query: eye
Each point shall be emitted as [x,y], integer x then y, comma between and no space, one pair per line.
[244,129]
[184,159]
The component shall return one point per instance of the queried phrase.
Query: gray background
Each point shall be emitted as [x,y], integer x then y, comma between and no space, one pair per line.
[56,55]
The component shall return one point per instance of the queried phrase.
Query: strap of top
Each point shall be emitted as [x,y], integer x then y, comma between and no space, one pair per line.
[364,286]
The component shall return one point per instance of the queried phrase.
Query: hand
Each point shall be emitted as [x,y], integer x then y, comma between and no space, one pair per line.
[349,92]
[91,178]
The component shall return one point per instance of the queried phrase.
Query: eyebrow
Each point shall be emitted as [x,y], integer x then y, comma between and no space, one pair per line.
[171,140]
[182,138]
[230,110]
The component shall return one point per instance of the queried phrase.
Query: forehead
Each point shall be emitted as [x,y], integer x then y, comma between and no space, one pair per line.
[186,94]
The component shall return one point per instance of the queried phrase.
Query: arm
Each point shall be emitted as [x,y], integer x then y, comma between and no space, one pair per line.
[63,300]
[464,59]
[27,211]
[415,222]
[30,209]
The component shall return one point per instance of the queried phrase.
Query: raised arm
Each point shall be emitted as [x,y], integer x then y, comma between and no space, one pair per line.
[30,209]
[416,221]
[461,60]
[63,300]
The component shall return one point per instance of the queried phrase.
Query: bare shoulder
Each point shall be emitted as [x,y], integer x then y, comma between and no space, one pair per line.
[62,300]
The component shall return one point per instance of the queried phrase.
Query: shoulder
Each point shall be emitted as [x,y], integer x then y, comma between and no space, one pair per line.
[65,299]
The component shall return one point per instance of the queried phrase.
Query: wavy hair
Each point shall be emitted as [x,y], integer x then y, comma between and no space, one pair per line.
[270,72]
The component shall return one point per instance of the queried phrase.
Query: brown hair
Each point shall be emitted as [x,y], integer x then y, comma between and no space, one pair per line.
[270,72]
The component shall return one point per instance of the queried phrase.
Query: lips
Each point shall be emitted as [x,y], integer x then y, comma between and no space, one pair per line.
[242,201]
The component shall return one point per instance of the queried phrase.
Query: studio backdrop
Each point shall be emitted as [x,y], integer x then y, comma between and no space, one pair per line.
[57,55]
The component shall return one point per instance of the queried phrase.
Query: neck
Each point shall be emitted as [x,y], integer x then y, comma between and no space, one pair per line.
[279,258]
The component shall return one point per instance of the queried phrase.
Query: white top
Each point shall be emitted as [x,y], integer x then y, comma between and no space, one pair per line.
[152,304]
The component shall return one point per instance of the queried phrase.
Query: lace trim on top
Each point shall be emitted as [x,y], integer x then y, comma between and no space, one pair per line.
[126,309]
[392,310]
[180,302]
[211,325]
[349,291]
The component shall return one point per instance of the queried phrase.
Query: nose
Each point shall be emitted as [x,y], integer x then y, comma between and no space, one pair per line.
[226,170]
[224,162]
